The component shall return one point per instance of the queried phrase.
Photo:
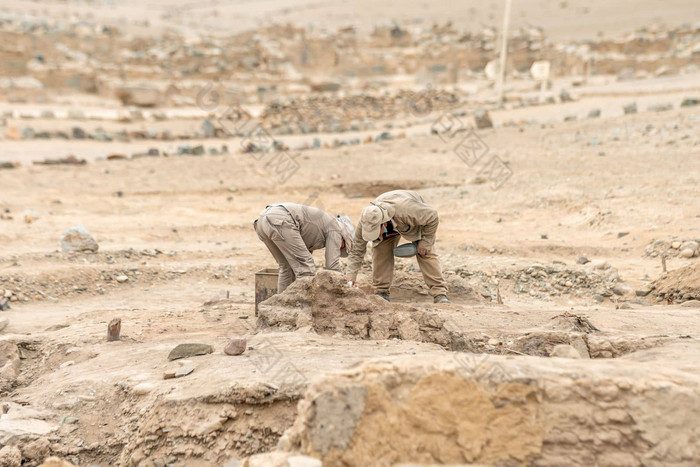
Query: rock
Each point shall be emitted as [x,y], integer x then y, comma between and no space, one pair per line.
[10,456]
[78,133]
[189,350]
[689,102]
[594,142]
[642,292]
[114,328]
[69,420]
[595,113]
[198,150]
[565,351]
[599,298]
[564,96]
[117,157]
[630,108]
[78,239]
[583,260]
[601,265]
[570,118]
[184,370]
[122,278]
[691,304]
[36,450]
[56,462]
[143,388]
[687,253]
[482,119]
[691,245]
[660,107]
[384,411]
[493,341]
[3,323]
[303,461]
[675,245]
[235,346]
[4,303]
[622,234]
[208,129]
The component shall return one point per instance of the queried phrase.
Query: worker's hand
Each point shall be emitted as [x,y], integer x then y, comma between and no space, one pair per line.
[351,283]
[422,251]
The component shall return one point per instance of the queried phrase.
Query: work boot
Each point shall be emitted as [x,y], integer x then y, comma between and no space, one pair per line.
[384,295]
[441,299]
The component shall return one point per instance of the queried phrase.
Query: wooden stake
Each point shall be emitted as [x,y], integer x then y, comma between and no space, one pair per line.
[663,263]
[498,295]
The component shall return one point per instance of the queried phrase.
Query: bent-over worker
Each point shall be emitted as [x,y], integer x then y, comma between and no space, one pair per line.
[292,232]
[392,215]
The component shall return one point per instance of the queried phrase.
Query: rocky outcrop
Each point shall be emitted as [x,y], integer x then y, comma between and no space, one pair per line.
[466,408]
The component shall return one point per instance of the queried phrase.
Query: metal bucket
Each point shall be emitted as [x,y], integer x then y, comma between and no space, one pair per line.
[265,285]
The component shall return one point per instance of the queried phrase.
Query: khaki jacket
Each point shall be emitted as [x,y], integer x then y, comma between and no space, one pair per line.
[415,220]
[318,230]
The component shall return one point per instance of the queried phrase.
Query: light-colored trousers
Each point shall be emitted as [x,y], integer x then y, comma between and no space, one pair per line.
[278,230]
[383,268]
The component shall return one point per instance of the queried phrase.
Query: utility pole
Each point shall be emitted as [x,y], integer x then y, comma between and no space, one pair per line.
[504,51]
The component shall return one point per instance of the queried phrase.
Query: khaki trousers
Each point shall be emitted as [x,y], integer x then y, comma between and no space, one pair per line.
[383,268]
[279,232]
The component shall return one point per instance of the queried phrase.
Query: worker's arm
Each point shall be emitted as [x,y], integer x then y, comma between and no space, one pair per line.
[427,217]
[357,254]
[333,242]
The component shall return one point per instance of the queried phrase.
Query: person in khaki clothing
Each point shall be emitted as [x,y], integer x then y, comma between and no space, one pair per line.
[392,215]
[292,232]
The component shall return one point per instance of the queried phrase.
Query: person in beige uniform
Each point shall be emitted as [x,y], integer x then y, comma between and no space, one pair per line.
[392,215]
[292,232]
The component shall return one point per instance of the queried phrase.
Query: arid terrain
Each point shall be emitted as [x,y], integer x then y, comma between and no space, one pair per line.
[569,233]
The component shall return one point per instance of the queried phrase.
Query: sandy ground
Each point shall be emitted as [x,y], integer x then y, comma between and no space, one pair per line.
[179,231]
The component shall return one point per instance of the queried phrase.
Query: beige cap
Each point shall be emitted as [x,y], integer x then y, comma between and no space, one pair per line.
[371,222]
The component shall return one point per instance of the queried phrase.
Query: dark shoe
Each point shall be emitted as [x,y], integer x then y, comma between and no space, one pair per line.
[441,299]
[385,296]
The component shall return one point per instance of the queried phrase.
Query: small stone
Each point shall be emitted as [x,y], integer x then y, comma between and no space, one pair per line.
[690,245]
[602,265]
[235,346]
[78,133]
[10,456]
[660,107]
[303,461]
[493,341]
[599,298]
[595,113]
[622,234]
[66,364]
[691,304]
[122,278]
[564,351]
[36,450]
[642,292]
[198,150]
[169,374]
[114,328]
[583,260]
[189,350]
[69,420]
[184,370]
[208,129]
[675,245]
[4,304]
[630,108]
[482,118]
[689,102]
[78,239]
[687,253]
[143,388]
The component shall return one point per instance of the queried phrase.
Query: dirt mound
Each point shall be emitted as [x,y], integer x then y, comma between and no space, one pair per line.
[327,305]
[678,285]
[466,408]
